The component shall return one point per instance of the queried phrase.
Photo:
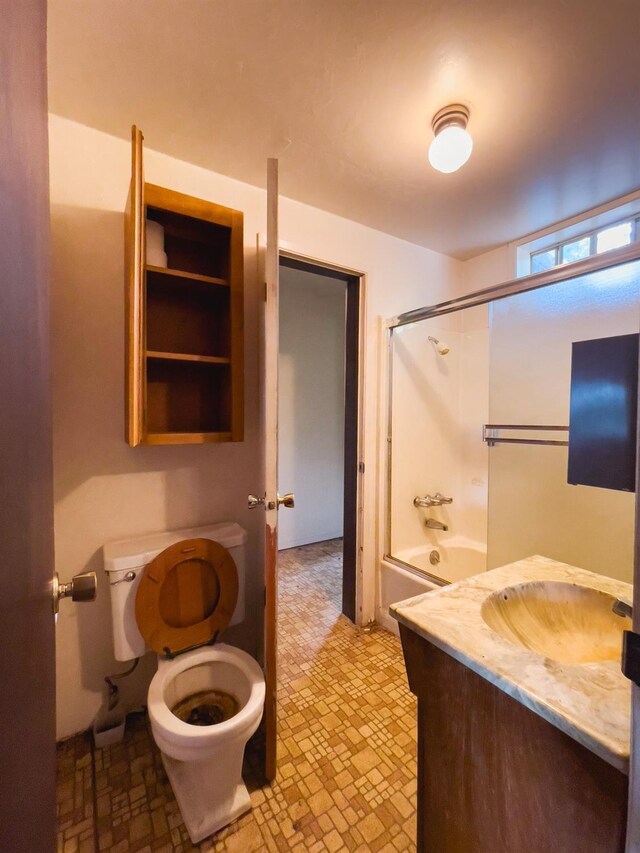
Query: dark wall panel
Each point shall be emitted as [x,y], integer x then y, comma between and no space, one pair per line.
[604,403]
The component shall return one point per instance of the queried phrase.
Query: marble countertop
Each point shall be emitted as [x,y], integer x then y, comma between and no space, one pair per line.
[590,702]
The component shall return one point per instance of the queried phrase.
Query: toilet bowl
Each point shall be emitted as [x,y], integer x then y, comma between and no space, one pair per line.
[174,594]
[204,763]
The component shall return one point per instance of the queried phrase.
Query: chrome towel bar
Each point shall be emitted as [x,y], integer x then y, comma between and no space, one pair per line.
[491,434]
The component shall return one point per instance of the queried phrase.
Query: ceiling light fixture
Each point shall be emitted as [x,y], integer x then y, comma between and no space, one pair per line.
[452,144]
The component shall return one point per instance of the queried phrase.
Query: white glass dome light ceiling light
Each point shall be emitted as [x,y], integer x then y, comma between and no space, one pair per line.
[452,144]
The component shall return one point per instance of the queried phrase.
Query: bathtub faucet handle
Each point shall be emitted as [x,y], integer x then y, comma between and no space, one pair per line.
[426,501]
[432,500]
[442,500]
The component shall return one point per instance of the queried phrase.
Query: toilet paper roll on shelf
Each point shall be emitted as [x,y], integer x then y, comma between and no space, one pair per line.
[156,255]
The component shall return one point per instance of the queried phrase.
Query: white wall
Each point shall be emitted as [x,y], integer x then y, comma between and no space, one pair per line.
[490,269]
[311,406]
[105,490]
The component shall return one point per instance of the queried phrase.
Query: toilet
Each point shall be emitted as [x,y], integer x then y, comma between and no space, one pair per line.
[174,594]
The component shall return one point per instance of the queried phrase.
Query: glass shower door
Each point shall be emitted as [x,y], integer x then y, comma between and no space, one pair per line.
[437,507]
[532,507]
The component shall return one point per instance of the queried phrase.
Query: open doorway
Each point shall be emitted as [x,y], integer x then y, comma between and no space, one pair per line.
[319,314]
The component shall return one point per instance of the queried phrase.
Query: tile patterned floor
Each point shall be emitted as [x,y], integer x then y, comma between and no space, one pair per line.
[346,752]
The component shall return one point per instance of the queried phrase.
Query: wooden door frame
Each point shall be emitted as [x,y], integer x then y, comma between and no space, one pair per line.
[355,280]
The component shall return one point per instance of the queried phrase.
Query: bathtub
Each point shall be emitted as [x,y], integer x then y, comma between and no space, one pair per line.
[410,572]
[459,558]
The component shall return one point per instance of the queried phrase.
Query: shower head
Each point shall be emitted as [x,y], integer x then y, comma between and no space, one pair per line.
[441,347]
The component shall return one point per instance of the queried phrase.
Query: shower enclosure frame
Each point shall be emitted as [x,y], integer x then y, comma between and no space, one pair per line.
[594,263]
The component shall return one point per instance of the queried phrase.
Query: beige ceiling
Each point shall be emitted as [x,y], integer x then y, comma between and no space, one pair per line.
[343,91]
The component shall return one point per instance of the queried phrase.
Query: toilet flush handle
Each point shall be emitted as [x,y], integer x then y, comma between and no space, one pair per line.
[81,587]
[128,578]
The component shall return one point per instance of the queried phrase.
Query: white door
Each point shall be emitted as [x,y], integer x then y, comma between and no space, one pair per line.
[270,501]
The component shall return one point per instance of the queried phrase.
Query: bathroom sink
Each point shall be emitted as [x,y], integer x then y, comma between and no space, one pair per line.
[565,622]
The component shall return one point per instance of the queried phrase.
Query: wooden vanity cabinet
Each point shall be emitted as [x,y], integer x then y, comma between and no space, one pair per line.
[494,777]
[184,322]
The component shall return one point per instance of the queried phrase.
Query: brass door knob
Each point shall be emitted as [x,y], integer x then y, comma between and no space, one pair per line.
[288,500]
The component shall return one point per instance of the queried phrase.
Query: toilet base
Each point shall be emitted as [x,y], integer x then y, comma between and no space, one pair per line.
[208,798]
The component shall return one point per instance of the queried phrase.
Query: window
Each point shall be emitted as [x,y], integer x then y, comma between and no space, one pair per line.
[602,240]
[576,251]
[614,237]
[544,260]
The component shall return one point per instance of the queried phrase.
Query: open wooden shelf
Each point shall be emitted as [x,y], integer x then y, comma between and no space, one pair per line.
[183,356]
[185,344]
[196,241]
[189,276]
[187,397]
[192,317]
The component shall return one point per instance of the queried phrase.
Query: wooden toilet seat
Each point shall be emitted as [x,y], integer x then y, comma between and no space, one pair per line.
[186,596]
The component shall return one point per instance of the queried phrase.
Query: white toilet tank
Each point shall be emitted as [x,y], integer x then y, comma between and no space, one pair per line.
[132,555]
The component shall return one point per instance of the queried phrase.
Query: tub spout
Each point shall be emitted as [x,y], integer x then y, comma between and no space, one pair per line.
[434,524]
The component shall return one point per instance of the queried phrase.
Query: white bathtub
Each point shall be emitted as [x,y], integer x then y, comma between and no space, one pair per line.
[459,558]
[404,575]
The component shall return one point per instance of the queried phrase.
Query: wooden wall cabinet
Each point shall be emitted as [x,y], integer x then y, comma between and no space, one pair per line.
[184,323]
